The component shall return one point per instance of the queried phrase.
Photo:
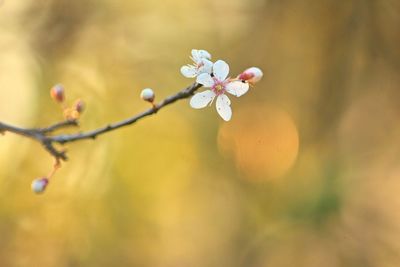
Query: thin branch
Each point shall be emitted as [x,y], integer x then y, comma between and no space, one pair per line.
[41,135]
[62,139]
[17,130]
[59,125]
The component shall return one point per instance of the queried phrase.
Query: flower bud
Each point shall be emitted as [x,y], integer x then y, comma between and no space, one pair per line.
[57,93]
[79,106]
[39,185]
[147,95]
[251,75]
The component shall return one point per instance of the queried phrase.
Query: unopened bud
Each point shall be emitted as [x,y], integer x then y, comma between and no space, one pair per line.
[251,75]
[147,95]
[79,106]
[57,93]
[39,185]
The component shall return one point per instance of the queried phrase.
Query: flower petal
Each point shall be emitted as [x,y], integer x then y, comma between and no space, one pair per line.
[204,54]
[237,88]
[198,55]
[189,71]
[195,55]
[221,70]
[206,66]
[223,107]
[205,79]
[201,100]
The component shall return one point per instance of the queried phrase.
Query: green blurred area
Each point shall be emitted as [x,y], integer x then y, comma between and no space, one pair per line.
[306,173]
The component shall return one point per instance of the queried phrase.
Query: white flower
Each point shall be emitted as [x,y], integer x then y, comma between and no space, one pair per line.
[202,64]
[251,75]
[219,85]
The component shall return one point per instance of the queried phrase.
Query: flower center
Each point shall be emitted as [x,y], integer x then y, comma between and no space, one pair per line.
[219,88]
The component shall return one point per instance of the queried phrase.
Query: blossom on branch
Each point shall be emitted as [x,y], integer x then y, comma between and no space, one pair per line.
[219,85]
[208,74]
[201,64]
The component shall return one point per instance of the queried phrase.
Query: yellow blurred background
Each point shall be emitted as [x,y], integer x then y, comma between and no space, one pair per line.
[306,174]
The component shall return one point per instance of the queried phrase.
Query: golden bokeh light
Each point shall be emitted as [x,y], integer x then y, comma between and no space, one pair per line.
[262,140]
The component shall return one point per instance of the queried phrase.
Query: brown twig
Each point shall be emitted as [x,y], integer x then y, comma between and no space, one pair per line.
[42,136]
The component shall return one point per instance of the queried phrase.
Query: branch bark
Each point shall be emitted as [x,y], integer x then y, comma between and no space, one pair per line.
[42,135]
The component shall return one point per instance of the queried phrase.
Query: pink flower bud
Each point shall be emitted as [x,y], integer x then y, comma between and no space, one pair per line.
[251,75]
[147,95]
[57,93]
[39,185]
[79,106]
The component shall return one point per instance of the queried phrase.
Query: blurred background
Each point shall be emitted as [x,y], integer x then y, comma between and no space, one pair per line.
[307,173]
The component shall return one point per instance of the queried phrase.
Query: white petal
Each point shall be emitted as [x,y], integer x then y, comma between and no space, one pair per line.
[196,56]
[207,66]
[203,54]
[205,79]
[189,71]
[201,100]
[237,88]
[220,70]
[223,107]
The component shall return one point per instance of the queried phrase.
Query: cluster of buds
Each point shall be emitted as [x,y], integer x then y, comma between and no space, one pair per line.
[215,77]
[57,93]
[74,112]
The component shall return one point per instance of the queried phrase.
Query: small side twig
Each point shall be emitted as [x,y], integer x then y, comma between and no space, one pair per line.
[59,125]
